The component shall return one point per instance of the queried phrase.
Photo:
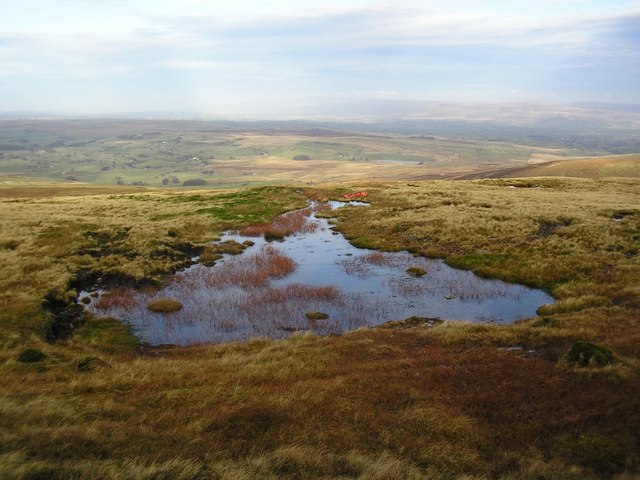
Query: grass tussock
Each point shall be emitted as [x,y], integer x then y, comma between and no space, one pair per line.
[31,355]
[586,354]
[416,271]
[164,305]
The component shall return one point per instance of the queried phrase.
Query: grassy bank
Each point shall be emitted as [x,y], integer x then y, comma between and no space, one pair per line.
[454,400]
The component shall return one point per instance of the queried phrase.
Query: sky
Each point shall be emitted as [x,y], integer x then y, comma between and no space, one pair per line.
[279,57]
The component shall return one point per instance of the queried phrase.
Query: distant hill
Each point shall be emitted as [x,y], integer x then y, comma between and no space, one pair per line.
[589,167]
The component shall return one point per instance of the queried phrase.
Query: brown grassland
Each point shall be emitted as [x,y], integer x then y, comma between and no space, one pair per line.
[601,167]
[454,400]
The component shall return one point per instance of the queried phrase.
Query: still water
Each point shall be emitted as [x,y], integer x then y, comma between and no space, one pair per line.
[268,290]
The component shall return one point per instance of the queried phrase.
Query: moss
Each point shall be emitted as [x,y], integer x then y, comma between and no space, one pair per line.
[585,354]
[164,305]
[475,261]
[109,335]
[256,205]
[31,355]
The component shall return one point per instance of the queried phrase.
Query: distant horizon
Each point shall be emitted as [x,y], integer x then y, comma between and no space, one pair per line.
[464,111]
[308,113]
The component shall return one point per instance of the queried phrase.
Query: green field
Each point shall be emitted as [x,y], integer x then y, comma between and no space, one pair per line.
[169,153]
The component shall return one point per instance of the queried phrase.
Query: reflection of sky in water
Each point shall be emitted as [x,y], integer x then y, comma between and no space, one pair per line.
[369,288]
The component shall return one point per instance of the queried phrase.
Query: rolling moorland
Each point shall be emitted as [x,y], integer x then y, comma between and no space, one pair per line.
[95,203]
[224,154]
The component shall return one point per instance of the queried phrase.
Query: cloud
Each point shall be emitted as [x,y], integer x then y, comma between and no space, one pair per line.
[618,36]
[252,50]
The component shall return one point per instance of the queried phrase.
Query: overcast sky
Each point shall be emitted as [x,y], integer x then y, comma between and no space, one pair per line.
[246,57]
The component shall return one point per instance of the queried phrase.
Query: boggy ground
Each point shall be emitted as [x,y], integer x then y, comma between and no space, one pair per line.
[453,400]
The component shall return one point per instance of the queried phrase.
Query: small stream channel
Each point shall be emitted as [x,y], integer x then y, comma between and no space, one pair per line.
[272,288]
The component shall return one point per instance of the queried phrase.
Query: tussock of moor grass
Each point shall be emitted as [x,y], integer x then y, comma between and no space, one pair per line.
[164,305]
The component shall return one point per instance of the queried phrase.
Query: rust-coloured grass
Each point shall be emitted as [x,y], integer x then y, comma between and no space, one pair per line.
[248,272]
[390,403]
[284,225]
[119,297]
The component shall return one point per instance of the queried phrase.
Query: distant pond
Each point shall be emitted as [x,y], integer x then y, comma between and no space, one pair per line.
[311,280]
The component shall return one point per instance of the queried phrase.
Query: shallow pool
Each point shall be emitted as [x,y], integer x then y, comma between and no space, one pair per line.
[272,288]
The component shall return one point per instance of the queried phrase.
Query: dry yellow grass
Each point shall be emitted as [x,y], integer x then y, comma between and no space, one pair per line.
[456,400]
[600,167]
[164,305]
[607,166]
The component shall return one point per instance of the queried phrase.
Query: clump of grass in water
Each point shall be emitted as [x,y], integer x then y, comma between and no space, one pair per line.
[230,246]
[416,271]
[316,316]
[212,253]
[376,258]
[272,234]
[209,258]
[164,305]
